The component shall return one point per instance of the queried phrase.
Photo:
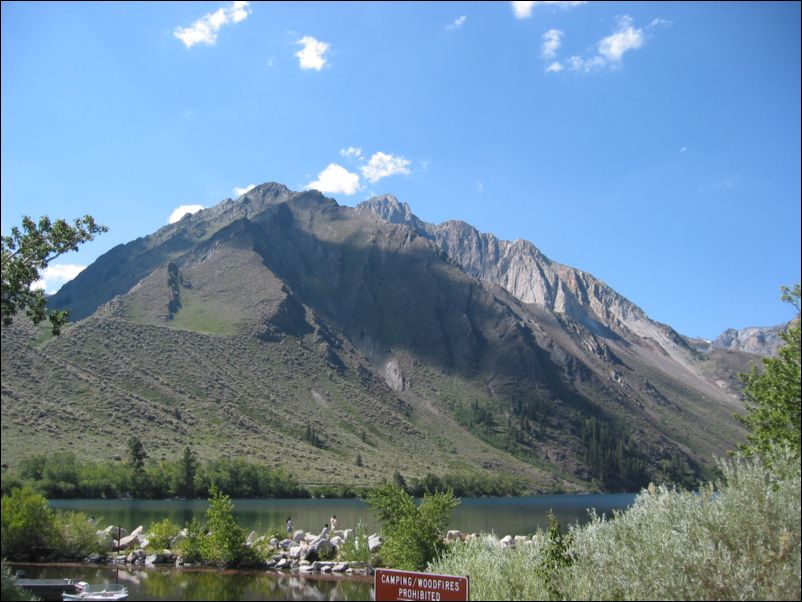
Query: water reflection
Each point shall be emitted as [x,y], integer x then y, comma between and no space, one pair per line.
[210,584]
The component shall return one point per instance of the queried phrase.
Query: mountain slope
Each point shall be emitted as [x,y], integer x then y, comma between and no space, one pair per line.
[421,348]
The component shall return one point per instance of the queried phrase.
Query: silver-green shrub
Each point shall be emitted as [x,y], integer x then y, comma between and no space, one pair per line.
[736,539]
[497,572]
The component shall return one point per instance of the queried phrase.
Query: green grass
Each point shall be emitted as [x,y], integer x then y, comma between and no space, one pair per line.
[205,316]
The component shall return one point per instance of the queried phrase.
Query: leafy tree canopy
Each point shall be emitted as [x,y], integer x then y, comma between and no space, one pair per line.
[773,393]
[31,249]
[414,531]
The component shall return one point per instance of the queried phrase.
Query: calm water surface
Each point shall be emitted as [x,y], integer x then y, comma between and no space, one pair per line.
[210,584]
[502,516]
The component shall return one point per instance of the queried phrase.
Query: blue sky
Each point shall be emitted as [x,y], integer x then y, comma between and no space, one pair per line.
[654,145]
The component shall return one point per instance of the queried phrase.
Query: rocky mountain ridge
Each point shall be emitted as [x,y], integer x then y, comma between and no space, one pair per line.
[422,348]
[523,270]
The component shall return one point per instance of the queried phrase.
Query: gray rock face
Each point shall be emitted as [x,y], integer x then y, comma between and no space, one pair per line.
[394,378]
[388,208]
[521,269]
[759,341]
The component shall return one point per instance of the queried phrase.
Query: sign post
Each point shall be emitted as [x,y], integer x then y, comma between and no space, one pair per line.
[390,584]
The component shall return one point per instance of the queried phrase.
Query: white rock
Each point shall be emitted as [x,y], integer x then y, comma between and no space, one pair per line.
[182,535]
[116,532]
[375,542]
[132,541]
[323,547]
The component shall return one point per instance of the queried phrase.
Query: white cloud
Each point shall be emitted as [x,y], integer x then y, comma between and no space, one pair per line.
[625,38]
[351,151]
[577,63]
[458,22]
[555,67]
[182,210]
[523,10]
[382,165]
[53,277]
[551,43]
[611,49]
[660,23]
[240,191]
[311,56]
[204,30]
[336,179]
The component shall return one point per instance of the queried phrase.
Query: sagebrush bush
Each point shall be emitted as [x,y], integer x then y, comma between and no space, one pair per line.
[356,548]
[77,535]
[497,572]
[191,547]
[162,533]
[736,539]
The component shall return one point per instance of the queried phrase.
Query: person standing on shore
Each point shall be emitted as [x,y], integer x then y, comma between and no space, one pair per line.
[333,523]
[290,526]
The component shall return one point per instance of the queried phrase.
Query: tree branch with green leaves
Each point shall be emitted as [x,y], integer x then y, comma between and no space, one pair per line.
[30,249]
[773,393]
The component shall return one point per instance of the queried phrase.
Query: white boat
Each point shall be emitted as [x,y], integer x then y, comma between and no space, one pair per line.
[104,591]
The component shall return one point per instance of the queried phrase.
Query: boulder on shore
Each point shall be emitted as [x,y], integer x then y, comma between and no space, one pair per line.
[375,542]
[116,532]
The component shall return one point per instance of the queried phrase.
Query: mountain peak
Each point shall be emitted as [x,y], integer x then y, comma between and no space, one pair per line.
[390,209]
[268,191]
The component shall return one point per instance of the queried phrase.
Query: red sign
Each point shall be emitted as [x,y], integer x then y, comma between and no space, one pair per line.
[405,585]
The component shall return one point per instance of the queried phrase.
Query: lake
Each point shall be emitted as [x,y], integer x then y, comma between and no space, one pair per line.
[502,516]
[210,584]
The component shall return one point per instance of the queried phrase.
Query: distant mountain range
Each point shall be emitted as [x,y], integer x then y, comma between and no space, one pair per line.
[419,347]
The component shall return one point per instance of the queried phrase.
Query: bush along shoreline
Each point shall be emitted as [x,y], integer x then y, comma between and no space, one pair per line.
[736,538]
